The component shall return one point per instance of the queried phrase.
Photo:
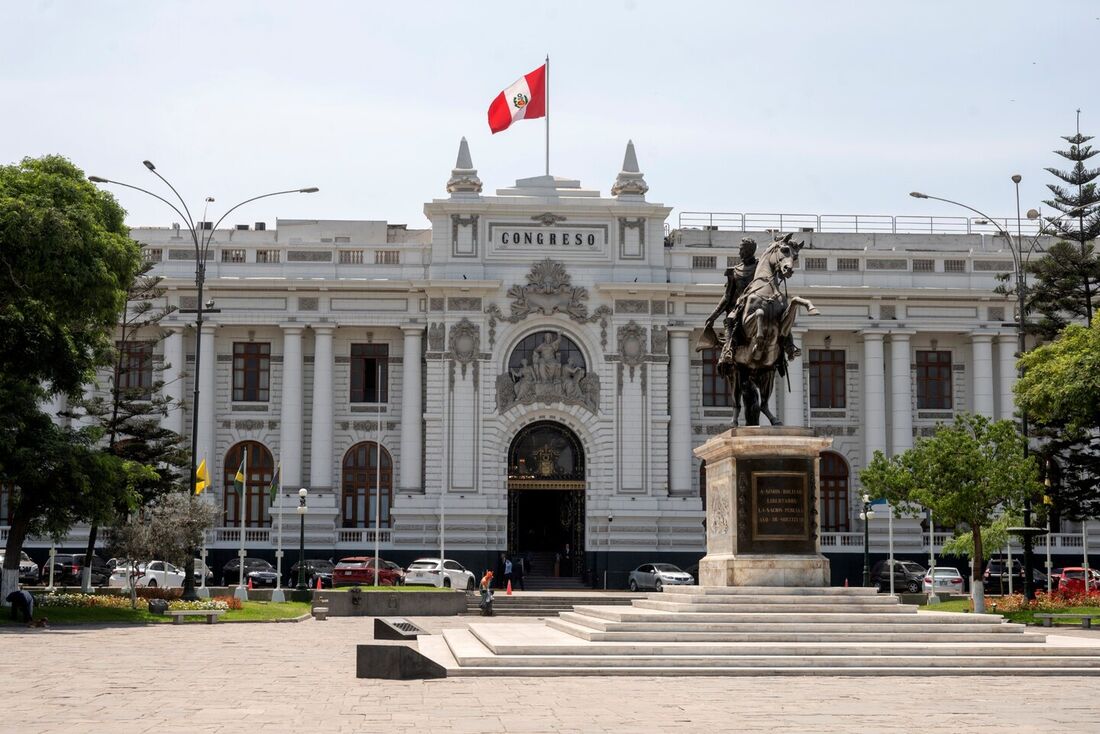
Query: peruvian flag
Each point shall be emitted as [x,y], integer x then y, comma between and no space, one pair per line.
[525,99]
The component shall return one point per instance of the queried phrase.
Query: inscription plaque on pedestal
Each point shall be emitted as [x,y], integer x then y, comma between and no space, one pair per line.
[779,500]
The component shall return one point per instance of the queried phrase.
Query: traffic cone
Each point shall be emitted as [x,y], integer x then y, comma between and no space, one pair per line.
[509,591]
[250,584]
[319,583]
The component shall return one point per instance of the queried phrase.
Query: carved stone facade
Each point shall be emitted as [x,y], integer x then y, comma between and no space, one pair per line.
[548,380]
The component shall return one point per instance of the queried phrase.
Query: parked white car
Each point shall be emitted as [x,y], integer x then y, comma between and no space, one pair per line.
[427,572]
[948,579]
[151,574]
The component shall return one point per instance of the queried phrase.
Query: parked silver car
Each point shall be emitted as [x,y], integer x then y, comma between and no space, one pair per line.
[657,576]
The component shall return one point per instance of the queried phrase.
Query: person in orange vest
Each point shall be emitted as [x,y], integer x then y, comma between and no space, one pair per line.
[486,594]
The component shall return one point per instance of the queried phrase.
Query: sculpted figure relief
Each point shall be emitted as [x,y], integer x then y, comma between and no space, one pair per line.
[759,316]
[546,380]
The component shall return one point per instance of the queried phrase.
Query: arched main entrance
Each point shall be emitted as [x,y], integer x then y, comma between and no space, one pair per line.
[546,488]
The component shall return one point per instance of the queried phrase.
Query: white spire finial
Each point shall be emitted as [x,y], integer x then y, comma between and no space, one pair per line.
[464,178]
[630,183]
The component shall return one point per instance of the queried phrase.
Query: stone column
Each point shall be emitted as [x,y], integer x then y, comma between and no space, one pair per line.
[981,346]
[174,384]
[320,461]
[901,398]
[794,402]
[1006,355]
[207,426]
[412,411]
[679,408]
[290,452]
[874,395]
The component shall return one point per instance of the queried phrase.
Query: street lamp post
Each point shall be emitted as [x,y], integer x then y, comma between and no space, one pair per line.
[1018,262]
[866,516]
[300,591]
[607,553]
[201,242]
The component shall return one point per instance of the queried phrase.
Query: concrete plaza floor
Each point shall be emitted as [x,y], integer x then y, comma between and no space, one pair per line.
[301,678]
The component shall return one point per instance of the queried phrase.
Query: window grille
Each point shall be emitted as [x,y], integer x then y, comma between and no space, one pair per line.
[232,256]
[704,262]
[387,257]
[847,263]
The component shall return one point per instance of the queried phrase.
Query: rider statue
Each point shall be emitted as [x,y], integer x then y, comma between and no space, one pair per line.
[757,325]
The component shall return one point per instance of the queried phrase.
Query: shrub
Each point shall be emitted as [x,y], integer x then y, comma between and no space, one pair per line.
[158,592]
[231,602]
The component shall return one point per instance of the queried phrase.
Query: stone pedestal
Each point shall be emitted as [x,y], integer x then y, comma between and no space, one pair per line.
[762,500]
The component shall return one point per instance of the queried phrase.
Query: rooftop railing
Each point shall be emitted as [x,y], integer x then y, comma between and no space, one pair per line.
[852,223]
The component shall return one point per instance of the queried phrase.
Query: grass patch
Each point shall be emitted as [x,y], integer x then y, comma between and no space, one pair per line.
[1022,617]
[253,611]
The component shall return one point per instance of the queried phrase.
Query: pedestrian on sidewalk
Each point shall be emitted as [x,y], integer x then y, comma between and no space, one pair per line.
[507,571]
[486,603]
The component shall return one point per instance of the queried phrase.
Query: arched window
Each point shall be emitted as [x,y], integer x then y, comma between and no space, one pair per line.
[834,493]
[566,352]
[259,467]
[359,482]
[546,455]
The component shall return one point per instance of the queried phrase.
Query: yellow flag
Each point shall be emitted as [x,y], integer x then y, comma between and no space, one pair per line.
[1047,500]
[201,480]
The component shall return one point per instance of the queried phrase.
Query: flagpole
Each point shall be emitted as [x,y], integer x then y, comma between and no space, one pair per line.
[547,114]
[277,595]
[241,515]
[377,466]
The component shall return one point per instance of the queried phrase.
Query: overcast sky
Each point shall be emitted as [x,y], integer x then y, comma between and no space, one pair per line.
[817,107]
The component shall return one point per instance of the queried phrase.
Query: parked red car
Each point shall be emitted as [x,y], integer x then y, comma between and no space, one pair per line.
[359,571]
[1073,580]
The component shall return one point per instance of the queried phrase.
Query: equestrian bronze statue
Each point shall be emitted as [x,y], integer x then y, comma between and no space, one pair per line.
[759,316]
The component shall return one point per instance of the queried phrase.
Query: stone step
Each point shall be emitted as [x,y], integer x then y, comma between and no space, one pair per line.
[884,600]
[803,607]
[841,591]
[878,637]
[636,614]
[871,632]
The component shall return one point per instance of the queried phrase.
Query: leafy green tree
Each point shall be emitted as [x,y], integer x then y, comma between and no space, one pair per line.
[65,264]
[1067,286]
[131,414]
[1060,390]
[969,472]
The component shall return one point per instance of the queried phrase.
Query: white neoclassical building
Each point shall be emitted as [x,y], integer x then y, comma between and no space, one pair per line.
[521,375]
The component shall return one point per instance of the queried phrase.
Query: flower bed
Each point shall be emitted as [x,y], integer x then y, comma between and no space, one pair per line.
[1055,602]
[111,601]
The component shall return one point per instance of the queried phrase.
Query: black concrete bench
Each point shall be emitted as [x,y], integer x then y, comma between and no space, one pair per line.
[210,614]
[1086,619]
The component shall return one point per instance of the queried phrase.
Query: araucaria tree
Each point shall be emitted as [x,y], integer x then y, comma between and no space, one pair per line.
[65,264]
[1067,277]
[130,415]
[968,473]
[1060,391]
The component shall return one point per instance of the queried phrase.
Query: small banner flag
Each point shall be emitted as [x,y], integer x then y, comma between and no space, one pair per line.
[239,478]
[202,481]
[274,489]
[1047,500]
[524,99]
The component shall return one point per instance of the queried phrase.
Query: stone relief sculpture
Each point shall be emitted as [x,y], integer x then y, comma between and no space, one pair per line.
[465,339]
[547,380]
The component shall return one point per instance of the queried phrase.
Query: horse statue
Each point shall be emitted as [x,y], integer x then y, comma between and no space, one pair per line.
[758,341]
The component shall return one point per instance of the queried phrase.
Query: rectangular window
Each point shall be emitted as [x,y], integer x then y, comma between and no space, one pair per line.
[847,263]
[817,263]
[954,266]
[387,257]
[924,266]
[351,257]
[716,393]
[135,367]
[153,254]
[232,256]
[267,256]
[251,372]
[704,262]
[370,373]
[342,240]
[934,380]
[827,378]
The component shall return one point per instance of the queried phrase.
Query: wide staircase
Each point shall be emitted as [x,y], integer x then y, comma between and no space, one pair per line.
[759,631]
[540,577]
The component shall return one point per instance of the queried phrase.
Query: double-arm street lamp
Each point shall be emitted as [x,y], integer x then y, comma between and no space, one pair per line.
[201,240]
[1019,262]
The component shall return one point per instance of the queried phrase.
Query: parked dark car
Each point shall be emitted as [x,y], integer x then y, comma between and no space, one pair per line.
[908,576]
[200,567]
[316,568]
[995,577]
[68,570]
[256,570]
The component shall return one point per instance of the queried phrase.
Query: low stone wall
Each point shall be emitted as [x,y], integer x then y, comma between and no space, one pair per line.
[391,603]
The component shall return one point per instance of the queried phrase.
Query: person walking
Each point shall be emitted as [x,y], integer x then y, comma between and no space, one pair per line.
[507,571]
[486,594]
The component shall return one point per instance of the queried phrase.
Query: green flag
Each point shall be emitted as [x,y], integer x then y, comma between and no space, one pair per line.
[274,489]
